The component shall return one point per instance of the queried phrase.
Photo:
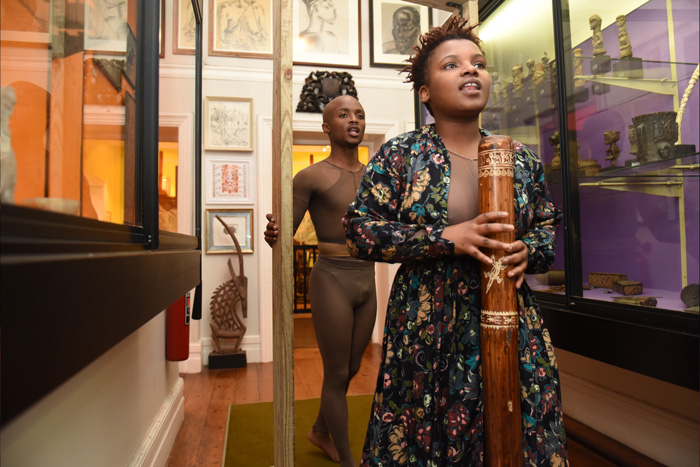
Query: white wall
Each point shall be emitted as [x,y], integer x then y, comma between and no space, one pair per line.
[125,408]
[386,100]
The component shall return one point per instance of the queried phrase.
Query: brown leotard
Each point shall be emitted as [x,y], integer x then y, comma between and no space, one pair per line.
[342,291]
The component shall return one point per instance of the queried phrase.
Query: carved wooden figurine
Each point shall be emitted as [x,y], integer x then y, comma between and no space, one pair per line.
[600,64]
[628,66]
[580,90]
[613,152]
[595,22]
[556,160]
[517,73]
[496,99]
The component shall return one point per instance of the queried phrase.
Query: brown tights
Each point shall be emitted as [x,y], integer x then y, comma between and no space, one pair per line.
[343,307]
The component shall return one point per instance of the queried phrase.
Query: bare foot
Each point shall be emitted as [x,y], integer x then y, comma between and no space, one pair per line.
[324,442]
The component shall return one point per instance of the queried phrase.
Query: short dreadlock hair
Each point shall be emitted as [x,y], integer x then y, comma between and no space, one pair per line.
[428,42]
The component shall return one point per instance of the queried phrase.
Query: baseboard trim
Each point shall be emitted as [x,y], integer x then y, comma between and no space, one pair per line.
[160,438]
[193,364]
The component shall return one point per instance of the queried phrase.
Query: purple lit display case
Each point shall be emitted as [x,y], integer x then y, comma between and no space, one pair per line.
[639,217]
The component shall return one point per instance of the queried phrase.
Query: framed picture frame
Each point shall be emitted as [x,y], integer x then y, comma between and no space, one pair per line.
[184,28]
[130,161]
[395,27]
[228,123]
[228,180]
[33,25]
[240,29]
[327,33]
[217,238]
[161,30]
[105,26]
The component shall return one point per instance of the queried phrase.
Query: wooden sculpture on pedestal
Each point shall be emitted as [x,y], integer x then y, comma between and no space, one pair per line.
[229,305]
[601,60]
[628,66]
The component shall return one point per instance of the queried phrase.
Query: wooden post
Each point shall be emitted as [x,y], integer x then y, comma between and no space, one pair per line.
[282,253]
[499,314]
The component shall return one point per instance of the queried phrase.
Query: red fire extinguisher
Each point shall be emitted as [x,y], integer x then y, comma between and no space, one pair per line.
[177,335]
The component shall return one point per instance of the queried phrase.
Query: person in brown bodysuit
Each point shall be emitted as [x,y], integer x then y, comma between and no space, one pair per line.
[342,290]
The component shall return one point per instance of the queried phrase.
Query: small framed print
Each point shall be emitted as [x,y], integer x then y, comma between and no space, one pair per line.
[228,181]
[229,123]
[106,28]
[240,28]
[327,33]
[395,27]
[218,239]
[184,28]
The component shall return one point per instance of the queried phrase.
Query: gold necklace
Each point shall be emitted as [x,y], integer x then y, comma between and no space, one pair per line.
[460,155]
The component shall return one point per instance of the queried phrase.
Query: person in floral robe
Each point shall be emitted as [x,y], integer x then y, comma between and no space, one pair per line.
[416,205]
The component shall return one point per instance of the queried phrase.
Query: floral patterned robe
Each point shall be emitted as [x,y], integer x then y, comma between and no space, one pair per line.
[427,409]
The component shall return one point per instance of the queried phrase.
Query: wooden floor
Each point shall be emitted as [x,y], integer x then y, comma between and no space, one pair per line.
[200,441]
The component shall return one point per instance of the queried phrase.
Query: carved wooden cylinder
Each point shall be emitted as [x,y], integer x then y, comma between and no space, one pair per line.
[499,313]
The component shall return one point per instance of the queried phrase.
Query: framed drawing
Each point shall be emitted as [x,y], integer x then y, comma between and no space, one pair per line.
[228,180]
[184,28]
[106,26]
[240,28]
[395,27]
[217,238]
[229,123]
[327,33]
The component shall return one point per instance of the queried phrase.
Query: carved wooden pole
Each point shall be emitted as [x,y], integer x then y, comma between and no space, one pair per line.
[499,313]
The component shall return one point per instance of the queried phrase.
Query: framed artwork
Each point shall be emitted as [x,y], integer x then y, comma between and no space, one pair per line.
[327,33]
[184,28]
[228,180]
[106,28]
[217,238]
[240,28]
[395,27]
[229,123]
[21,23]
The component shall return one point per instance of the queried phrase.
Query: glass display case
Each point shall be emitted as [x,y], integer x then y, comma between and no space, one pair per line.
[605,93]
[81,244]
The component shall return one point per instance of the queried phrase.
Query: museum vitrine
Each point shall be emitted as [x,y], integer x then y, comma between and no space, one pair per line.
[604,93]
[80,236]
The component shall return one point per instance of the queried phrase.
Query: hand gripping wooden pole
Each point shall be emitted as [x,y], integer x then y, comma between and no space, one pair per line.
[499,313]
